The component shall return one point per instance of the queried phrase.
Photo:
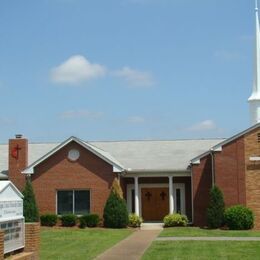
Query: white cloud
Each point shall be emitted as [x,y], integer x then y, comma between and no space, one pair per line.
[75,70]
[81,114]
[136,120]
[134,77]
[206,125]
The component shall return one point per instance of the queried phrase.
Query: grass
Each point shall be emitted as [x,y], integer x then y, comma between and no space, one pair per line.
[199,232]
[69,243]
[200,250]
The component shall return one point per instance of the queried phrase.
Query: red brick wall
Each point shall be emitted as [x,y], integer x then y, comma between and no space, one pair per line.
[59,173]
[230,172]
[17,165]
[32,238]
[202,183]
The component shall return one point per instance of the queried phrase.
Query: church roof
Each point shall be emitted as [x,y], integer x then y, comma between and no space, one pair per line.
[135,156]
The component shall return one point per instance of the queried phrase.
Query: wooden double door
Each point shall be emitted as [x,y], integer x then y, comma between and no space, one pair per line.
[155,203]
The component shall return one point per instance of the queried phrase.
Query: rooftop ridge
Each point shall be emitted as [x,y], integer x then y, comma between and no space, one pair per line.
[134,140]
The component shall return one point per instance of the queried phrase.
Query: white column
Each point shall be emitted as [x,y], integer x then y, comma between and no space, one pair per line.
[136,196]
[171,200]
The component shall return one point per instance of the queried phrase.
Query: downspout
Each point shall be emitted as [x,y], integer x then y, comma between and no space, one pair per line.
[212,167]
[192,206]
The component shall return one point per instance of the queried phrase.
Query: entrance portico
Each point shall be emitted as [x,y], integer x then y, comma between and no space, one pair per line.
[153,196]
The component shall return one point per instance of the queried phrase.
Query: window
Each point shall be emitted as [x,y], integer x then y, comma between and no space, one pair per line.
[73,201]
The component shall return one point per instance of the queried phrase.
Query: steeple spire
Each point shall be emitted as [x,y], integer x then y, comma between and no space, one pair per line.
[254,99]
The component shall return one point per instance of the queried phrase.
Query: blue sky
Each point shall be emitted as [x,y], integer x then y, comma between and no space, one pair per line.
[125,69]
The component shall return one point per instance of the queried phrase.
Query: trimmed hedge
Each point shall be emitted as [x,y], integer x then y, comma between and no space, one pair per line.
[134,220]
[49,220]
[68,220]
[89,220]
[175,220]
[239,218]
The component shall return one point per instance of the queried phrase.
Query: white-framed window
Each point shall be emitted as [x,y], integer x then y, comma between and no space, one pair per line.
[73,202]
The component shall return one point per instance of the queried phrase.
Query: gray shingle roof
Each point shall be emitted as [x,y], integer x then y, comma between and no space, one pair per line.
[135,155]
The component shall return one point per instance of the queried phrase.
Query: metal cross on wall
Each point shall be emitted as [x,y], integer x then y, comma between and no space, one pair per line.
[148,195]
[15,152]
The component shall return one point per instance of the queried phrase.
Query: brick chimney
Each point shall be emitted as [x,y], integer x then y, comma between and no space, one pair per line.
[18,160]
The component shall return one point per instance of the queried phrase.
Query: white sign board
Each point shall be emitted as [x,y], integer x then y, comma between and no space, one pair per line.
[11,209]
[11,216]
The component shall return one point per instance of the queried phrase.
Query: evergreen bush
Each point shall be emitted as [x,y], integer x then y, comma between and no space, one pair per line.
[49,220]
[68,220]
[115,211]
[175,220]
[216,209]
[30,209]
[239,218]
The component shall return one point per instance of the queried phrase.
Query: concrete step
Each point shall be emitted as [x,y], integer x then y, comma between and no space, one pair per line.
[152,226]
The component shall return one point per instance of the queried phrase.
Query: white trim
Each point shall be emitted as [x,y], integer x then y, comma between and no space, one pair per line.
[218,147]
[254,158]
[171,195]
[137,196]
[116,166]
[181,186]
[157,174]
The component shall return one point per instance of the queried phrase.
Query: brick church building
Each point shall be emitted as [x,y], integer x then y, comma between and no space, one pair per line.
[157,177]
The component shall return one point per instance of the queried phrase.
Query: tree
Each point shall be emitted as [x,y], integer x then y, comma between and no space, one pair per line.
[115,211]
[30,209]
[216,209]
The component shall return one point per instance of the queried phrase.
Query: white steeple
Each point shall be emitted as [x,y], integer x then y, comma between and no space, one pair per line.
[254,99]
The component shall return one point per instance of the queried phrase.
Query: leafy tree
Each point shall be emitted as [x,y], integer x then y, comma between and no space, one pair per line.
[216,209]
[115,211]
[30,209]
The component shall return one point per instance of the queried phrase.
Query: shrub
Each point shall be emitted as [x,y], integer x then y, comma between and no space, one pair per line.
[30,209]
[115,211]
[49,220]
[90,220]
[215,211]
[239,218]
[175,220]
[68,220]
[134,220]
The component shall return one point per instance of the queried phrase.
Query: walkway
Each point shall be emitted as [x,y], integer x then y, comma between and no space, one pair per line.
[208,239]
[131,248]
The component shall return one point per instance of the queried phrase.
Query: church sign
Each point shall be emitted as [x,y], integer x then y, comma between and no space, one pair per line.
[11,216]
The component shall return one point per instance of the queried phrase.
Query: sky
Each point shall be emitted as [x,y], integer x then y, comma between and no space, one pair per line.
[125,69]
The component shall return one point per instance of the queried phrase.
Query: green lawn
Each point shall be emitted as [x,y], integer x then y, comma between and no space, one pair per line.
[69,243]
[200,250]
[199,232]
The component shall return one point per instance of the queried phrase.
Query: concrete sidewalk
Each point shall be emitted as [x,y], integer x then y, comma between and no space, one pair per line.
[208,239]
[132,247]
